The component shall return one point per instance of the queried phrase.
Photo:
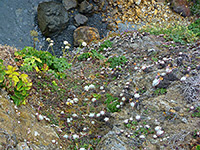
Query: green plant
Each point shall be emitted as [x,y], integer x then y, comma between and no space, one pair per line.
[196,112]
[194,7]
[38,59]
[84,56]
[112,103]
[17,84]
[178,33]
[154,59]
[160,91]
[138,131]
[97,55]
[116,61]
[94,54]
[97,96]
[105,44]
[195,26]
[198,147]
[30,63]
[2,71]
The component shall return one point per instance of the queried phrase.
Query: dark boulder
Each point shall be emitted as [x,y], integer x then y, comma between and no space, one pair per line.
[52,18]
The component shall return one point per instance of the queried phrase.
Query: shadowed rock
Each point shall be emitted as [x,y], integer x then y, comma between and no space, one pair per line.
[52,18]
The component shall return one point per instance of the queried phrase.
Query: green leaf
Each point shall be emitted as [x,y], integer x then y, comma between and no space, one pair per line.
[15,79]
[19,85]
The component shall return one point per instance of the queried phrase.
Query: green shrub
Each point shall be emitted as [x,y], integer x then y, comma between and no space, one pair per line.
[196,112]
[195,26]
[36,59]
[16,84]
[94,54]
[116,61]
[194,7]
[177,33]
[112,103]
[105,44]
[160,91]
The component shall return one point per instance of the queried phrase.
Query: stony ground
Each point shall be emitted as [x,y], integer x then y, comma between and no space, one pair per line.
[153,91]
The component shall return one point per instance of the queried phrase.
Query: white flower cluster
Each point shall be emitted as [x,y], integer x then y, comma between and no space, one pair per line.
[87,88]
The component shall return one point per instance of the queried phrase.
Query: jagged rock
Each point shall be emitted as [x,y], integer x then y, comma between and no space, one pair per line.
[86,7]
[80,19]
[113,142]
[52,18]
[69,4]
[85,33]
[19,124]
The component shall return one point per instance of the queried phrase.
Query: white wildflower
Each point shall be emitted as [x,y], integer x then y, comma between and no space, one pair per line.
[154,136]
[125,121]
[91,86]
[183,78]
[142,137]
[75,100]
[67,47]
[98,115]
[137,117]
[106,119]
[91,115]
[137,95]
[94,99]
[74,115]
[66,136]
[75,136]
[159,133]
[123,98]
[53,141]
[157,128]
[155,82]
[102,112]
[101,87]
[84,44]
[40,117]
[65,42]
[51,44]
[132,104]
[86,88]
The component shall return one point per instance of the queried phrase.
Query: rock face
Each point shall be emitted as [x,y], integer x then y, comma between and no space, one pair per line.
[181,7]
[85,33]
[52,18]
[69,4]
[20,124]
[80,19]
[113,142]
